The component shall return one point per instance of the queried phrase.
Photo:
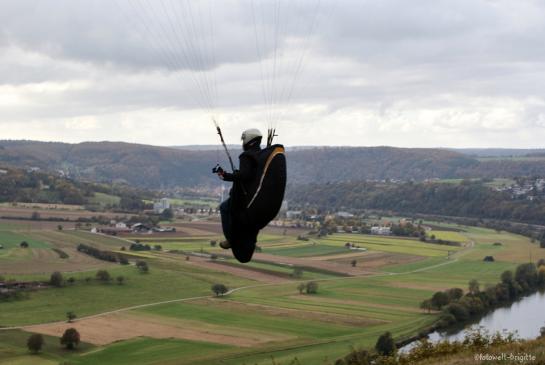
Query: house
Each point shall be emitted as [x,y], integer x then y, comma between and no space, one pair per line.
[163,229]
[385,231]
[292,214]
[344,215]
[121,225]
[161,205]
[140,227]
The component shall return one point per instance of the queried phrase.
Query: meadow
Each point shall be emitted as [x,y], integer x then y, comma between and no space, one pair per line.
[269,319]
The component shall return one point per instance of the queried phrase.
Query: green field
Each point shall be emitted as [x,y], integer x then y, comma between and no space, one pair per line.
[346,312]
[306,249]
[91,298]
[448,236]
[104,199]
[13,239]
[149,350]
[390,244]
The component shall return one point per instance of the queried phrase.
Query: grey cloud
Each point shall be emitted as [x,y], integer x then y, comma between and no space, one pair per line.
[384,58]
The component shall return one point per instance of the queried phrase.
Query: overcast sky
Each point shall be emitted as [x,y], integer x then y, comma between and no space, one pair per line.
[362,73]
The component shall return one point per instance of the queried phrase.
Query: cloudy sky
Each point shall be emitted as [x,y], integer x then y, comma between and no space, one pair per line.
[464,73]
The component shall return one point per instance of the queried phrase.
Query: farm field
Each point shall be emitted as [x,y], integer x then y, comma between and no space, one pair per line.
[170,315]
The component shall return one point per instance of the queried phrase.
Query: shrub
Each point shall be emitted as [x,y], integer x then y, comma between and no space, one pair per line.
[219,289]
[142,266]
[56,279]
[458,311]
[301,287]
[35,343]
[446,320]
[70,338]
[103,275]
[70,316]
[120,279]
[439,299]
[312,287]
[454,294]
[474,286]
[385,345]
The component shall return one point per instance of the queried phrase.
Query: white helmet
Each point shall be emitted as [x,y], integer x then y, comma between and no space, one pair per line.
[250,134]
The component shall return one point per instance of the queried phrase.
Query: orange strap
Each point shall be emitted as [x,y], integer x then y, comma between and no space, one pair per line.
[277,151]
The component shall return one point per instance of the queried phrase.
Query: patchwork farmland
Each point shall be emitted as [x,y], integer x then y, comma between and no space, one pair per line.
[170,316]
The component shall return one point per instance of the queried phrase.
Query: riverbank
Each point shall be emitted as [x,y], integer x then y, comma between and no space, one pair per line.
[523,352]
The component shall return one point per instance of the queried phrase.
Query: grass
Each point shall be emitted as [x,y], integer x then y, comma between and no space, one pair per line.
[12,239]
[13,349]
[305,249]
[309,326]
[390,244]
[513,248]
[309,273]
[149,351]
[448,236]
[98,240]
[86,299]
[104,199]
[251,319]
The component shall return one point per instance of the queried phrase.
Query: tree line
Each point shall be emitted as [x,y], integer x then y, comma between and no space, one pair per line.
[468,199]
[102,255]
[457,307]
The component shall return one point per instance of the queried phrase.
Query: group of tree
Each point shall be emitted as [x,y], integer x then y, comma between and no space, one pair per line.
[31,186]
[103,276]
[427,352]
[137,246]
[310,287]
[457,306]
[57,280]
[70,339]
[102,255]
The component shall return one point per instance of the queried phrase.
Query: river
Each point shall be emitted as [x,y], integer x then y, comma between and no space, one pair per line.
[525,316]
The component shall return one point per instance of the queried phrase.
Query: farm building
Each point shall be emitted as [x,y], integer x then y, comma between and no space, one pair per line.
[385,231]
[161,205]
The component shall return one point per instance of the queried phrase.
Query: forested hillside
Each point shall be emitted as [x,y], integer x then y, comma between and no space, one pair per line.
[18,185]
[165,167]
[468,199]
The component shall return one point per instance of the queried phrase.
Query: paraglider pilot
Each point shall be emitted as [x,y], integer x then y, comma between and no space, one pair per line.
[248,169]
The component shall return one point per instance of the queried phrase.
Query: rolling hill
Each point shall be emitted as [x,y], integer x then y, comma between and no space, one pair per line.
[167,167]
